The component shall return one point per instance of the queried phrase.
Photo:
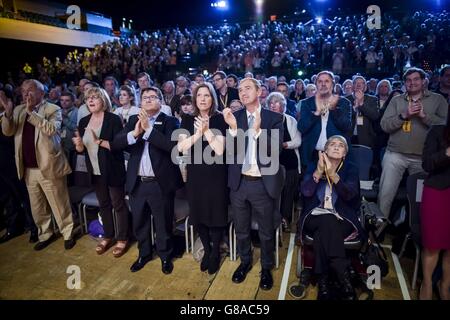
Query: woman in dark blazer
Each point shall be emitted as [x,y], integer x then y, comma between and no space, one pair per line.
[106,166]
[435,212]
[330,214]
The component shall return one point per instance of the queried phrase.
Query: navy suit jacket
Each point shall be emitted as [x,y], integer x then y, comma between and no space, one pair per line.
[166,172]
[269,120]
[310,125]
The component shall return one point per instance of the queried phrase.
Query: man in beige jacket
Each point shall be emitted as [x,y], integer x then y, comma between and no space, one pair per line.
[40,159]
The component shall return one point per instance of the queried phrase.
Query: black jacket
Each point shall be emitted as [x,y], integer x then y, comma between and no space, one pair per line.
[160,141]
[273,183]
[111,163]
[435,161]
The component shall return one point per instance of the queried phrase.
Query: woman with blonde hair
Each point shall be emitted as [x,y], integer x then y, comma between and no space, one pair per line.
[106,166]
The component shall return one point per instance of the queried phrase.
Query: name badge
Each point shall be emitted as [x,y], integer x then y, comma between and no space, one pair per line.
[406,127]
[360,120]
[328,204]
[157,123]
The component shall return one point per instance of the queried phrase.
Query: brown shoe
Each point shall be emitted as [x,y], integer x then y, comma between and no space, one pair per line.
[120,248]
[103,246]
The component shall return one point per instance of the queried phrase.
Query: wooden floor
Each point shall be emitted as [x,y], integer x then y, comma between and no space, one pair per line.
[28,274]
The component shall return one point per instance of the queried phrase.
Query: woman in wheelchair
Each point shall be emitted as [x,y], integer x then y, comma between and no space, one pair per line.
[330,215]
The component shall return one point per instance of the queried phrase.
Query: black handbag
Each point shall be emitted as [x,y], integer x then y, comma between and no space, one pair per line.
[373,254]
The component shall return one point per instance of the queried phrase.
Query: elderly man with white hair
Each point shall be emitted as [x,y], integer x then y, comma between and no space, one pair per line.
[36,126]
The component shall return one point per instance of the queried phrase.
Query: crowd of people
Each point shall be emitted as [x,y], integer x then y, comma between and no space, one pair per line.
[256,145]
[342,45]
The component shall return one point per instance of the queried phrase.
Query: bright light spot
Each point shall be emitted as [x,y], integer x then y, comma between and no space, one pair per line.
[303,11]
[205,72]
[259,2]
[300,73]
[319,20]
[222,4]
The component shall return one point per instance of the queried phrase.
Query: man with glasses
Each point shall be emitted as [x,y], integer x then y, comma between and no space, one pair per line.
[224,93]
[152,177]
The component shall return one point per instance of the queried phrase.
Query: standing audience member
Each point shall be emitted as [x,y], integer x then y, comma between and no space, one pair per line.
[208,198]
[106,166]
[127,99]
[321,117]
[289,157]
[152,177]
[407,119]
[435,218]
[255,187]
[36,126]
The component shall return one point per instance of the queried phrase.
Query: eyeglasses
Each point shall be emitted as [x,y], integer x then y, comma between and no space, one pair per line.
[150,98]
[95,97]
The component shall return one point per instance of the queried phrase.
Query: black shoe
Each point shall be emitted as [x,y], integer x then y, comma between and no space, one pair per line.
[167,266]
[266,282]
[33,237]
[323,288]
[285,225]
[43,244]
[241,272]
[347,290]
[213,264]
[205,263]
[8,236]
[69,244]
[140,263]
[299,290]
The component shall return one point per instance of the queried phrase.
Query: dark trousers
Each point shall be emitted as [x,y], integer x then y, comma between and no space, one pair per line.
[252,202]
[16,203]
[149,195]
[288,194]
[109,198]
[210,237]
[328,233]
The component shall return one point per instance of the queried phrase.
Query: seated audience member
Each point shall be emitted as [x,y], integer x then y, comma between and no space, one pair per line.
[435,218]
[330,214]
[106,166]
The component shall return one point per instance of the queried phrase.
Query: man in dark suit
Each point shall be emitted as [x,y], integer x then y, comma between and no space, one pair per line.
[283,88]
[254,177]
[152,178]
[364,115]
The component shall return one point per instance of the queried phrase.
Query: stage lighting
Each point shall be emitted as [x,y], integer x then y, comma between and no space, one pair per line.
[205,73]
[220,5]
[300,73]
[303,11]
[319,20]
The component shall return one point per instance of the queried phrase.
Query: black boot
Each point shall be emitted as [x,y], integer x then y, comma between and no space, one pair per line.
[205,260]
[214,258]
[323,288]
[347,291]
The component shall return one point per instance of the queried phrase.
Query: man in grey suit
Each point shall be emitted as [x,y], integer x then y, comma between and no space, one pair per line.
[254,177]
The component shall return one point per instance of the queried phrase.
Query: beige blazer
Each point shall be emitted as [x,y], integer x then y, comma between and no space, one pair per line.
[49,154]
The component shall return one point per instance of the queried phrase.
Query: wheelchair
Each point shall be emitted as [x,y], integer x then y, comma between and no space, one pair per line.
[371,219]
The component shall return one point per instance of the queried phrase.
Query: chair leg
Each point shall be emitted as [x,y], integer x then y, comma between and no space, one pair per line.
[402,251]
[192,239]
[299,262]
[85,219]
[230,240]
[186,233]
[152,230]
[416,268]
[277,239]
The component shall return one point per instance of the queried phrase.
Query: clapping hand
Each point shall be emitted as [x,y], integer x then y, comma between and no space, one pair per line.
[229,118]
[6,103]
[76,140]
[143,120]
